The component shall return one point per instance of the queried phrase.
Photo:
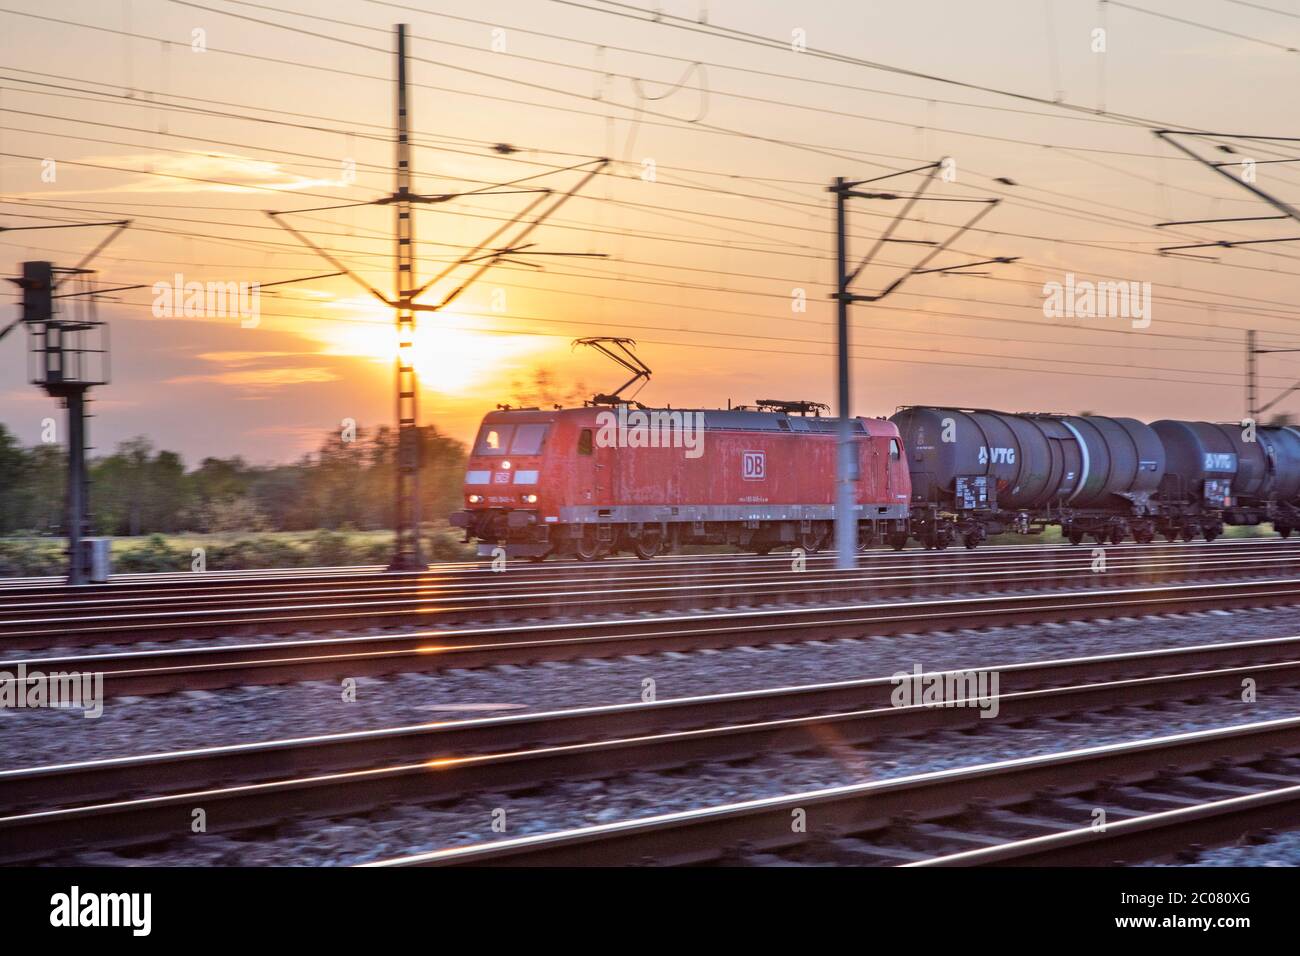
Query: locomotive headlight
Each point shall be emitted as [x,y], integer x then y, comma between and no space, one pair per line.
[530,499]
[475,499]
[505,465]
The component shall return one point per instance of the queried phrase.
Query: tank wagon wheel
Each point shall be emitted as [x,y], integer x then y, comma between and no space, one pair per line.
[937,541]
[1117,535]
[764,551]
[1210,534]
[971,539]
[1075,536]
[648,545]
[588,547]
[1283,529]
[898,541]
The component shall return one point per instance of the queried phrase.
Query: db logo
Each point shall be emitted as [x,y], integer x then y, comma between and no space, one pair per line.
[754,466]
[502,477]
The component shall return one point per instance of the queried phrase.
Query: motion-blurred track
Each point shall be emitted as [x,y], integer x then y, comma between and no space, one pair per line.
[223,665]
[34,614]
[96,803]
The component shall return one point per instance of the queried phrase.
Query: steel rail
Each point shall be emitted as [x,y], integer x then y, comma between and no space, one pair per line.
[712,833]
[1144,837]
[223,665]
[123,822]
[792,587]
[496,586]
[1182,671]
[55,589]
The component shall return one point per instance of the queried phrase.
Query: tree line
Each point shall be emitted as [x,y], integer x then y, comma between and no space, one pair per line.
[140,490]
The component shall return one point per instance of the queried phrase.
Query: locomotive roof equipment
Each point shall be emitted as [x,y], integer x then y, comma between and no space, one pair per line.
[619,350]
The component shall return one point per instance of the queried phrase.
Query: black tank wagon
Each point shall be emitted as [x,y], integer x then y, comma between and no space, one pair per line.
[1227,473]
[977,472]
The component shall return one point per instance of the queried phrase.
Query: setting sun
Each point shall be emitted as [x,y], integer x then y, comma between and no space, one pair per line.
[450,356]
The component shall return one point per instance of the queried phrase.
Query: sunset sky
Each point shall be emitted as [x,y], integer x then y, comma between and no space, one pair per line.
[703,257]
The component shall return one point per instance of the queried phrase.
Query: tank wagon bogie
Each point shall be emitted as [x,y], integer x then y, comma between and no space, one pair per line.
[587,482]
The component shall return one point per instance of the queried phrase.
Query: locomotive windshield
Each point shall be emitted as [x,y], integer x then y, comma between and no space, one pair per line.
[528,439]
[510,439]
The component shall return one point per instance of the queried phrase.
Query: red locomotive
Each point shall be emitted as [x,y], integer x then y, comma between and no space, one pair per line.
[597,480]
[617,476]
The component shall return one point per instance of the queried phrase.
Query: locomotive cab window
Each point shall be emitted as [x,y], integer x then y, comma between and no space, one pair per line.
[584,442]
[528,439]
[894,453]
[493,439]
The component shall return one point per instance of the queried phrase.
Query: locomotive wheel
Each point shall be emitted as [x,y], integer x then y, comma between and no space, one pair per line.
[971,540]
[1117,536]
[763,551]
[811,541]
[1210,534]
[648,545]
[588,547]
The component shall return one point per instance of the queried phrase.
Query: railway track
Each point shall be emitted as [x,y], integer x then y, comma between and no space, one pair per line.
[357,771]
[129,613]
[1159,796]
[222,665]
[143,582]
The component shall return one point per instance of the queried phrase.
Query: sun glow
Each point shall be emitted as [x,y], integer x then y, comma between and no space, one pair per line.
[449,356]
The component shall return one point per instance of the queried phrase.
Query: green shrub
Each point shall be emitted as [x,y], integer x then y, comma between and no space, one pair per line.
[154,555]
[256,553]
[31,558]
[331,549]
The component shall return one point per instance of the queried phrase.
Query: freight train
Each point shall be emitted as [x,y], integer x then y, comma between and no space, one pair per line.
[601,479]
